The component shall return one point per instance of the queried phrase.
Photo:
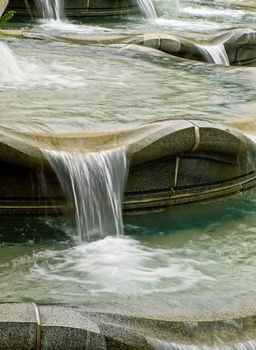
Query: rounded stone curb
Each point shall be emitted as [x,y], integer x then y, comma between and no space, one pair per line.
[41,327]
[172,162]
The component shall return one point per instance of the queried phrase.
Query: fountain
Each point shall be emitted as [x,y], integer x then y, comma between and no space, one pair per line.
[215,54]
[230,47]
[181,274]
[72,8]
[10,71]
[94,182]
[213,162]
[148,8]
[50,9]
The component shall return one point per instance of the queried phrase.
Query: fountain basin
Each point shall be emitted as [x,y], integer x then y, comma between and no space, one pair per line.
[172,162]
[79,8]
[239,44]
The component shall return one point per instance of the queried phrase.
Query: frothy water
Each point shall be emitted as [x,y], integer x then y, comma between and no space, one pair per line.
[26,73]
[94,183]
[215,53]
[10,71]
[50,9]
[163,345]
[148,8]
[118,266]
[73,28]
[156,261]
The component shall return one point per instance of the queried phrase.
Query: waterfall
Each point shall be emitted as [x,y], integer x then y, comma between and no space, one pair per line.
[147,7]
[9,68]
[214,53]
[94,183]
[50,9]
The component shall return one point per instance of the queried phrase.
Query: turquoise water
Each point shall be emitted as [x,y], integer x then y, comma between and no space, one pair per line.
[179,257]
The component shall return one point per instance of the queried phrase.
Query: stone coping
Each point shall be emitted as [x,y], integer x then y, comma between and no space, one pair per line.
[171,162]
[96,326]
[145,143]
[239,43]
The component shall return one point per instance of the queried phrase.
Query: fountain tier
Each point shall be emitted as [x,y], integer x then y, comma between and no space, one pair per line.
[78,8]
[174,162]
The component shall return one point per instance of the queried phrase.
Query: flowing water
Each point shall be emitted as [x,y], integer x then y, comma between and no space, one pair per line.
[94,182]
[215,53]
[200,258]
[148,8]
[10,71]
[50,9]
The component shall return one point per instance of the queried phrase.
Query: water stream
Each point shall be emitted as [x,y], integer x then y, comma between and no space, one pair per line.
[94,183]
[215,53]
[10,71]
[50,9]
[148,8]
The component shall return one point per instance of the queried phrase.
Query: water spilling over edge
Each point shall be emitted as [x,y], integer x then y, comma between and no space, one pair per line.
[50,9]
[215,53]
[94,183]
[147,7]
[10,71]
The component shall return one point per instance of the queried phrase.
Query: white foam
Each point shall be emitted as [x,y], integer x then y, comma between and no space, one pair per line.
[10,70]
[121,266]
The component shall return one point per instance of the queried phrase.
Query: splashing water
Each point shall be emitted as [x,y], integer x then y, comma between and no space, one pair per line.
[147,7]
[215,53]
[94,182]
[9,68]
[50,9]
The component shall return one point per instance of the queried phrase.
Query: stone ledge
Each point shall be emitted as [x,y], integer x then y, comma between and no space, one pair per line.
[106,326]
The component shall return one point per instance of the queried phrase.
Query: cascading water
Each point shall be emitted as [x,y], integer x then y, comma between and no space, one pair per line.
[50,9]
[214,53]
[9,68]
[94,182]
[148,8]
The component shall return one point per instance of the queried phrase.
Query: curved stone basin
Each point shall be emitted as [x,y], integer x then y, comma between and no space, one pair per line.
[113,326]
[79,8]
[239,44]
[171,162]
